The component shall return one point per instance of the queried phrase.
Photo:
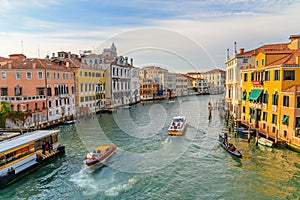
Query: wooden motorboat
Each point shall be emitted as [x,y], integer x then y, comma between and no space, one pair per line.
[177,126]
[100,154]
[265,142]
[228,146]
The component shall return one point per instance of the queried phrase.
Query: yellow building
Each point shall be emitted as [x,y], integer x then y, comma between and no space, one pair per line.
[265,88]
[90,95]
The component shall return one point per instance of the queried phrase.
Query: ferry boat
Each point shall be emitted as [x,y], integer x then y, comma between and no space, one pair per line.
[22,155]
[100,154]
[177,126]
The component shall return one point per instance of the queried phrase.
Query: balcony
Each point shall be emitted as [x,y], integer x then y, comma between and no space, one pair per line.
[264,106]
[256,105]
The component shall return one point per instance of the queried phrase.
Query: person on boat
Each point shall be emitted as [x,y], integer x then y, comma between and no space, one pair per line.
[44,147]
[49,146]
[225,137]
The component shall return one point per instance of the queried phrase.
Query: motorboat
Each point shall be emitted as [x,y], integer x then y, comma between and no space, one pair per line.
[177,126]
[100,154]
[265,142]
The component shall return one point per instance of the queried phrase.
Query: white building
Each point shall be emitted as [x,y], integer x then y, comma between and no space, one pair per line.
[167,83]
[118,82]
[216,80]
[233,79]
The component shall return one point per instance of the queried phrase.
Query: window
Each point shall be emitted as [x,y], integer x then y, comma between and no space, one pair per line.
[4,91]
[265,116]
[49,92]
[54,75]
[58,76]
[3,75]
[285,120]
[36,106]
[56,91]
[18,90]
[289,75]
[81,87]
[81,99]
[40,91]
[284,133]
[252,76]
[80,73]
[274,119]
[256,63]
[48,75]
[298,101]
[275,99]
[40,75]
[244,109]
[298,123]
[276,75]
[265,97]
[245,60]
[267,76]
[262,62]
[28,75]
[245,77]
[286,101]
[18,75]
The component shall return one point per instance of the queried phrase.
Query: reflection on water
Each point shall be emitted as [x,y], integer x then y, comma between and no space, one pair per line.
[150,164]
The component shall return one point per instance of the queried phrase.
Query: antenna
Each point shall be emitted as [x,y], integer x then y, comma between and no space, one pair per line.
[39,51]
[22,46]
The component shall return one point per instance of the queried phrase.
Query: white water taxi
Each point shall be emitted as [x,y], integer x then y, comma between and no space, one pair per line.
[177,126]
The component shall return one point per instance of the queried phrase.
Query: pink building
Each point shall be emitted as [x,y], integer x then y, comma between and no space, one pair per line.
[38,86]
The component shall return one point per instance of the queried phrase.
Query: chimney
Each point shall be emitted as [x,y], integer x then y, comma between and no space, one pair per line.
[9,65]
[242,50]
[33,65]
[227,54]
[235,52]
[53,54]
[126,60]
[69,54]
[131,61]
[67,64]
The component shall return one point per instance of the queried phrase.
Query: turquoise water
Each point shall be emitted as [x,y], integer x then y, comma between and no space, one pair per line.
[150,164]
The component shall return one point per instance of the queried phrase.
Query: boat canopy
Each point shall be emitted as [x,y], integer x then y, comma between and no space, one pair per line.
[102,147]
[25,139]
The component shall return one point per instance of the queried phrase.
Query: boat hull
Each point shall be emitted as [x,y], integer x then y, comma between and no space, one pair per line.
[12,177]
[235,153]
[265,142]
[93,161]
[177,132]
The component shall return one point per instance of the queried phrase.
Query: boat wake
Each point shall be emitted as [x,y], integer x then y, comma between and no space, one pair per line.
[101,183]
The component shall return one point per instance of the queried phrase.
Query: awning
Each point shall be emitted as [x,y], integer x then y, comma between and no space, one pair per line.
[244,96]
[285,118]
[255,93]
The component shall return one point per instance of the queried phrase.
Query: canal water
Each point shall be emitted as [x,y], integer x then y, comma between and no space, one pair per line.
[150,164]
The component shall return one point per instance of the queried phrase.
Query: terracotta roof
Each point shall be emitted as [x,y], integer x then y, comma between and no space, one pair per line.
[290,58]
[214,71]
[267,48]
[73,63]
[293,89]
[30,63]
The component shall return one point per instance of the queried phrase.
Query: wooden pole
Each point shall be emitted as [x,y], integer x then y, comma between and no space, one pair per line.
[249,128]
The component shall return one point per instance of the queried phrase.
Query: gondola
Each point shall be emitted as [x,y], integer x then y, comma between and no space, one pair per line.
[229,147]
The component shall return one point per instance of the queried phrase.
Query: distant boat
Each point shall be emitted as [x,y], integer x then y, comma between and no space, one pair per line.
[229,147]
[70,122]
[265,142]
[100,154]
[244,131]
[185,100]
[177,126]
[171,101]
[125,107]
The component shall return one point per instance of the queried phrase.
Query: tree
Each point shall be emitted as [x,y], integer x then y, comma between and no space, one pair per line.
[17,117]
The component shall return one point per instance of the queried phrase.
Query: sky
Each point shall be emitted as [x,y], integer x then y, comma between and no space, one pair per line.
[190,35]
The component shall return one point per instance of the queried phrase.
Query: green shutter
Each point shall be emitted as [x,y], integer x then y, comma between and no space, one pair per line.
[285,119]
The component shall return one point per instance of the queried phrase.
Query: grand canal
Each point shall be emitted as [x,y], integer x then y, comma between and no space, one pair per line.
[149,164]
